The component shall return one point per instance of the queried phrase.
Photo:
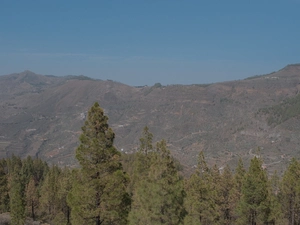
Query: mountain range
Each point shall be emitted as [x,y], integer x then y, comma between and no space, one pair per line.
[42,115]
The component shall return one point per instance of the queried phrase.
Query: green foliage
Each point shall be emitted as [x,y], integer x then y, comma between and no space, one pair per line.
[16,195]
[64,186]
[142,159]
[158,197]
[31,198]
[54,191]
[275,214]
[79,77]
[19,186]
[146,141]
[49,194]
[253,207]
[157,85]
[280,113]
[99,192]
[228,197]
[96,193]
[226,100]
[200,201]
[149,90]
[239,175]
[4,197]
[290,192]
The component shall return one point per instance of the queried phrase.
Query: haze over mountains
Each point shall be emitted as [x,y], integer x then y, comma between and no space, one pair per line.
[42,116]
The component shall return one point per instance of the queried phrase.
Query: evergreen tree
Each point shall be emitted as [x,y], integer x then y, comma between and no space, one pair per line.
[142,159]
[158,198]
[27,169]
[32,198]
[290,193]
[49,202]
[64,186]
[4,197]
[99,196]
[14,163]
[23,187]
[40,170]
[215,180]
[275,215]
[146,141]
[200,196]
[228,197]
[239,176]
[254,206]
[16,194]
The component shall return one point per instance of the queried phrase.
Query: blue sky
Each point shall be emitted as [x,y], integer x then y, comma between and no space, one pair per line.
[145,42]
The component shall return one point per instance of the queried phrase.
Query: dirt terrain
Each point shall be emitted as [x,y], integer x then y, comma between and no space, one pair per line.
[42,116]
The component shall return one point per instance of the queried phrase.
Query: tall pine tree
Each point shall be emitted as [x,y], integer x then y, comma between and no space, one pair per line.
[290,193]
[158,196]
[200,196]
[16,193]
[228,197]
[4,197]
[99,196]
[253,207]
[141,159]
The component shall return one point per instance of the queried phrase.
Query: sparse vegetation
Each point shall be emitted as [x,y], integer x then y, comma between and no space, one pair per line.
[150,89]
[259,76]
[280,113]
[226,100]
[202,85]
[190,117]
[100,192]
[80,77]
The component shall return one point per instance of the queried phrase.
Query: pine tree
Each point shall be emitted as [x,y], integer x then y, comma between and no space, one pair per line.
[27,169]
[146,141]
[158,198]
[99,196]
[32,198]
[200,196]
[290,192]
[238,179]
[228,197]
[142,159]
[215,180]
[253,206]
[239,176]
[40,170]
[49,202]
[64,185]
[275,214]
[16,194]
[4,197]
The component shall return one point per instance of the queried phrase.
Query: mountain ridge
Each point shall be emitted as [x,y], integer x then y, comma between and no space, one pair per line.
[42,115]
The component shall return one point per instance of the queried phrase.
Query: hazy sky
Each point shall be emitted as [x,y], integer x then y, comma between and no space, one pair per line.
[147,41]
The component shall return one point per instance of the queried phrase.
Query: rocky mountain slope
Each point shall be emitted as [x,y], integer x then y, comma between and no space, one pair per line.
[42,115]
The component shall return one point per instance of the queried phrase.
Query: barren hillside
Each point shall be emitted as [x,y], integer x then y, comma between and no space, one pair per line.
[42,115]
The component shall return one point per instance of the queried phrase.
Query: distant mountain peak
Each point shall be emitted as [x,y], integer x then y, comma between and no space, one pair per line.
[27,71]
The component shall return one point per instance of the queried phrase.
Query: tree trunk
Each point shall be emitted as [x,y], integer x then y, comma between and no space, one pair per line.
[32,210]
[98,221]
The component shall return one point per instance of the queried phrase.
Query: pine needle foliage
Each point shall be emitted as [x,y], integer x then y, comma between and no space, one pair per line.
[158,195]
[99,194]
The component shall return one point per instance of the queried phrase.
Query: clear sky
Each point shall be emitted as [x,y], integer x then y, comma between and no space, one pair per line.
[148,41]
